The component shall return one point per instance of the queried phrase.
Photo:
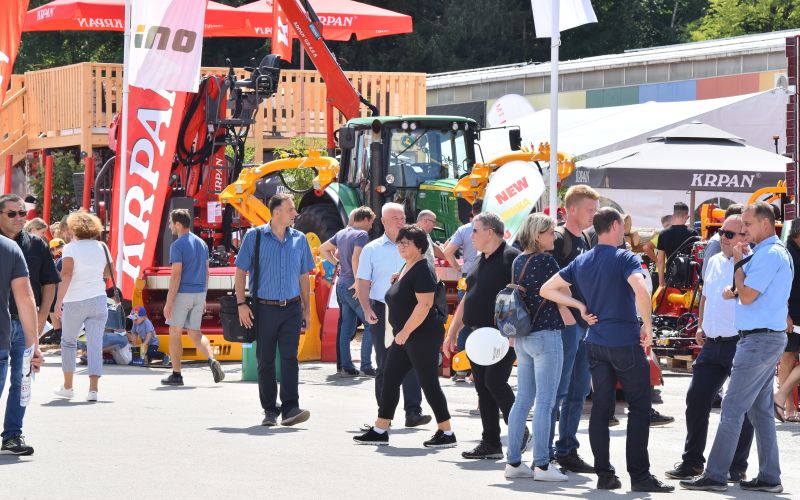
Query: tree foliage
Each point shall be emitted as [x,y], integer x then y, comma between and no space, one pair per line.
[63,200]
[728,18]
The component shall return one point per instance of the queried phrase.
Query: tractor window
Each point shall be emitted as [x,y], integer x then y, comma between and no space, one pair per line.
[422,155]
[358,173]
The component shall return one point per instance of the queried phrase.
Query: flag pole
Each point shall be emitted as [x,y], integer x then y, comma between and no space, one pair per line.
[123,143]
[555,41]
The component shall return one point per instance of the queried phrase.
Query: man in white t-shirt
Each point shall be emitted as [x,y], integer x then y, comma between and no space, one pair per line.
[718,336]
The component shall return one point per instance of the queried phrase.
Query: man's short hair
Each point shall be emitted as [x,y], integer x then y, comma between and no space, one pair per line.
[666,218]
[415,235]
[426,214]
[277,200]
[794,232]
[362,213]
[391,206]
[578,193]
[734,209]
[181,216]
[35,224]
[9,198]
[680,209]
[605,218]
[491,221]
[477,206]
[762,210]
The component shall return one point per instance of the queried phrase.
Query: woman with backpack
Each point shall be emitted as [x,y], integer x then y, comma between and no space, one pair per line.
[539,352]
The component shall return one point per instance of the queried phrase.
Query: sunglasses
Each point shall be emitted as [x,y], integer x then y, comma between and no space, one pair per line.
[476,229]
[731,234]
[21,213]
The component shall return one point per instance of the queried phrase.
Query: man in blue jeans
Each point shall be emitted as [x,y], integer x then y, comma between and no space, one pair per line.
[349,242]
[762,284]
[611,282]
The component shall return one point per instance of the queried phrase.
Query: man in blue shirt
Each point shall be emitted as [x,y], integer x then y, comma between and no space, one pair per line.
[380,260]
[611,282]
[762,283]
[283,308]
[186,298]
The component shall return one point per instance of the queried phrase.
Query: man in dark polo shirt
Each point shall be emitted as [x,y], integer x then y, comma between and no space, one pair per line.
[490,275]
[673,239]
[43,278]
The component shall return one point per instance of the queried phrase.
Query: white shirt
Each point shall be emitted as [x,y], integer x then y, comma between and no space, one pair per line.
[89,262]
[718,314]
[378,261]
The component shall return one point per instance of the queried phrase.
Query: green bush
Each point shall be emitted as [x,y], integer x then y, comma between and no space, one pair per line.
[62,201]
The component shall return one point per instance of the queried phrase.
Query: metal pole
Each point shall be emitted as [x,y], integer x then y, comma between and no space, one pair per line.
[555,41]
[48,189]
[88,182]
[123,147]
[9,173]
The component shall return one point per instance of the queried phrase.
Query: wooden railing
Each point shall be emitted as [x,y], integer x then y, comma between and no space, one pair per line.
[13,119]
[73,105]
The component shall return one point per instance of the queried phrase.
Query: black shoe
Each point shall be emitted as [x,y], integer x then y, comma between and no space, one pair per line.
[655,397]
[441,440]
[683,470]
[369,372]
[349,372]
[270,419]
[761,485]
[417,419]
[484,451]
[652,485]
[295,416]
[16,446]
[608,483]
[216,370]
[372,437]
[736,477]
[613,422]
[526,438]
[572,462]
[173,379]
[657,419]
[703,483]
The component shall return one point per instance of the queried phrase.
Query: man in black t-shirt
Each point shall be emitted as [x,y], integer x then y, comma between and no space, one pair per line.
[488,276]
[672,239]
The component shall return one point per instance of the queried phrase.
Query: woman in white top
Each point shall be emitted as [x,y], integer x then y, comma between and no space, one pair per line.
[82,299]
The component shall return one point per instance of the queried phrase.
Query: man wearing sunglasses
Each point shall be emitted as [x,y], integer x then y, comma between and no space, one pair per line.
[718,336]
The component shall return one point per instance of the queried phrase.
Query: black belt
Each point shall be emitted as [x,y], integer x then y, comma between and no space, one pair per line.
[279,303]
[721,340]
[745,333]
[14,317]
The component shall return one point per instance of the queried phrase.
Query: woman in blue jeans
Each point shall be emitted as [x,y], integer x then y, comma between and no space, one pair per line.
[540,354]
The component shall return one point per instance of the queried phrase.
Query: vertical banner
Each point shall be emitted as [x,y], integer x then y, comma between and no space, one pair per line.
[167,44]
[155,117]
[512,193]
[12,15]
[281,41]
[572,13]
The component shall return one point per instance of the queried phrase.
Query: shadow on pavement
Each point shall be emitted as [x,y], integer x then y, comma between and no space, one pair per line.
[404,452]
[67,402]
[256,430]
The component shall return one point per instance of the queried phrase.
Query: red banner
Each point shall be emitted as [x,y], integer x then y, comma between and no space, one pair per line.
[154,119]
[12,15]
[281,41]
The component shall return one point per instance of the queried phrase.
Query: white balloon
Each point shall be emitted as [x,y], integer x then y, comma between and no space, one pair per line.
[486,346]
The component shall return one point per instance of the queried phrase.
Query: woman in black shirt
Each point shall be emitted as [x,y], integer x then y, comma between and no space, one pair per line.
[418,334]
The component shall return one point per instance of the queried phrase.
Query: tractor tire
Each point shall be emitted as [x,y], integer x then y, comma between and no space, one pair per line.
[322,219]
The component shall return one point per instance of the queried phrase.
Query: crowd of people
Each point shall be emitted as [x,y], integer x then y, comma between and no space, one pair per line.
[585,291]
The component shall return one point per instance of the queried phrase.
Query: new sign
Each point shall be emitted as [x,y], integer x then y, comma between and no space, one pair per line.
[512,193]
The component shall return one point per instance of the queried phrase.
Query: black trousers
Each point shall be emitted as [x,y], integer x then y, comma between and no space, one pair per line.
[494,394]
[709,372]
[412,393]
[420,354]
[278,327]
[629,365]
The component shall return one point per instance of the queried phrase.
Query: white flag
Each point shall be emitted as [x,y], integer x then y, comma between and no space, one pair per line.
[166,44]
[572,13]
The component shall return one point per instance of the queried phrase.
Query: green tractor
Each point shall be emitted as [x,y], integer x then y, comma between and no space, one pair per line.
[412,160]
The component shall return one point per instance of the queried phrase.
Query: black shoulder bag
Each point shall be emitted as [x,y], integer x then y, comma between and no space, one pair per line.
[232,329]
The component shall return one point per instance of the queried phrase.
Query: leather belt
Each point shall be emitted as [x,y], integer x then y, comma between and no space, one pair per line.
[745,333]
[279,303]
[721,339]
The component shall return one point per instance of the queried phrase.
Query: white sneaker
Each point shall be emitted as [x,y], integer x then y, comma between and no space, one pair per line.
[552,474]
[516,472]
[64,393]
[92,396]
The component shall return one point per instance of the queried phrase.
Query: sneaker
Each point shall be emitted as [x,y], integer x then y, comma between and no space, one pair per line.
[683,470]
[369,372]
[459,378]
[16,446]
[349,372]
[216,371]
[657,419]
[167,361]
[655,397]
[441,440]
[611,482]
[64,393]
[613,422]
[552,474]
[652,485]
[417,420]
[573,462]
[92,396]
[83,361]
[475,412]
[736,477]
[484,451]
[526,439]
[761,485]
[703,483]
[270,419]
[173,379]
[521,471]
[372,437]
[295,416]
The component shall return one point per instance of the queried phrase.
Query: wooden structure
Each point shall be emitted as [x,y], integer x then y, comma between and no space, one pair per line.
[73,106]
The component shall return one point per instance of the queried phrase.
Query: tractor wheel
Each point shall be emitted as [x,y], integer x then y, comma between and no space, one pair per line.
[323,219]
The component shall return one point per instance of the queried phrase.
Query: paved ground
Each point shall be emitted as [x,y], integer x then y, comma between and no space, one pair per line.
[204,441]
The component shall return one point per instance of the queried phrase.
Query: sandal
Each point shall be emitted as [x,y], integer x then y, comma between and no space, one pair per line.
[793,418]
[779,412]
